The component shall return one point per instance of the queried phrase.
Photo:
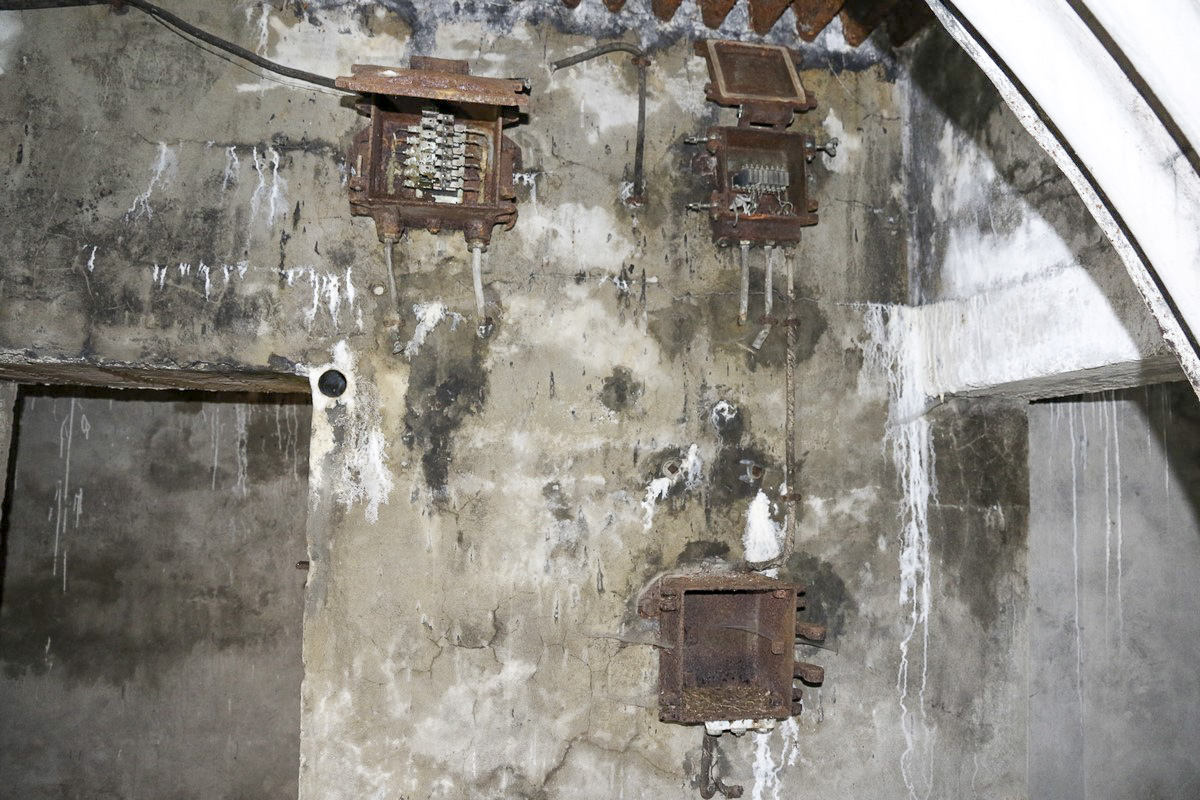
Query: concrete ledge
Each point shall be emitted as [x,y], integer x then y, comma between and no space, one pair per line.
[1056,335]
[20,368]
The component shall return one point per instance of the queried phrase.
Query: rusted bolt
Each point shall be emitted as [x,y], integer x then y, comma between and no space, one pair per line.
[756,471]
[811,631]
[809,673]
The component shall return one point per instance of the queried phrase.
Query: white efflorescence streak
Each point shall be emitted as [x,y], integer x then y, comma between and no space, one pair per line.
[165,164]
[896,353]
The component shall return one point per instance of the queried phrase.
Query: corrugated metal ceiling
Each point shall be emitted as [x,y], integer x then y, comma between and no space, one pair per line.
[902,19]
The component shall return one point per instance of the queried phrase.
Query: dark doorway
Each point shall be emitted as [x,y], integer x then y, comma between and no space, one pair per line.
[150,603]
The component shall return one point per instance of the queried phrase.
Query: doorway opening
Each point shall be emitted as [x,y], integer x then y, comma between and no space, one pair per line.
[151,605]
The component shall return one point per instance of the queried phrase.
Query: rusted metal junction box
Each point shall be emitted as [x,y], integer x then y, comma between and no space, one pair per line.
[759,169]
[726,649]
[434,155]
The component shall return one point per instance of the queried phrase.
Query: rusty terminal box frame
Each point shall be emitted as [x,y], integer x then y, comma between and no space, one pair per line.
[434,155]
[727,647]
[775,216]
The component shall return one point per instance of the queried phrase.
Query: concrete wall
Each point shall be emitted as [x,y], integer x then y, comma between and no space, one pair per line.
[1094,86]
[1114,549]
[1008,264]
[978,628]
[481,516]
[151,615]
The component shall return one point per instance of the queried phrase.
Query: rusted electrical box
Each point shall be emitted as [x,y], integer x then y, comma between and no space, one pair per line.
[758,169]
[434,155]
[727,650]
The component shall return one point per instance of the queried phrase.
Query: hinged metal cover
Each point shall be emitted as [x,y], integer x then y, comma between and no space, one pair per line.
[436,79]
[760,78]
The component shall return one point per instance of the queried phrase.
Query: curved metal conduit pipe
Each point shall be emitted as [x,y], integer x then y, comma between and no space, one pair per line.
[641,61]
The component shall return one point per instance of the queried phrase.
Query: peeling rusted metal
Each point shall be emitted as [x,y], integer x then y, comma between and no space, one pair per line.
[861,17]
[765,13]
[726,646]
[813,15]
[398,101]
[809,673]
[436,79]
[811,631]
[714,12]
[665,9]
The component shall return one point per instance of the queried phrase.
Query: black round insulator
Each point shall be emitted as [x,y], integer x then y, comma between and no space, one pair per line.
[332,383]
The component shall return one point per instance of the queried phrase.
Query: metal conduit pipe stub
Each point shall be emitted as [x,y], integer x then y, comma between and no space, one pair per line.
[789,432]
[744,286]
[637,196]
[484,324]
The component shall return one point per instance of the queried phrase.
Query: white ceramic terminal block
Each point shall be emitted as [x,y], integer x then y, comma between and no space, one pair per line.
[738,726]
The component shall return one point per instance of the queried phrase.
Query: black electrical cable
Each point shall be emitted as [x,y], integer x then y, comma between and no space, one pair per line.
[167,18]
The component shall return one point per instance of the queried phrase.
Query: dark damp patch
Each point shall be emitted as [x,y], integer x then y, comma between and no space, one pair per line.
[675,327]
[738,472]
[620,390]
[556,502]
[826,601]
[344,255]
[667,463]
[448,383]
[720,317]
[698,551]
[730,421]
[992,437]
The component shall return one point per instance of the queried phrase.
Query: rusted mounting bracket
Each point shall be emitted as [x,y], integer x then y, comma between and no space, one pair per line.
[709,783]
[811,631]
